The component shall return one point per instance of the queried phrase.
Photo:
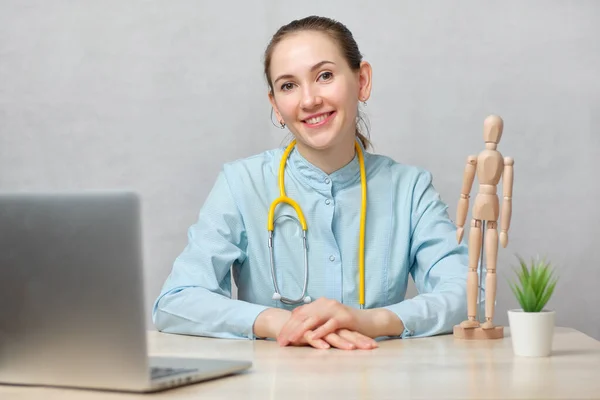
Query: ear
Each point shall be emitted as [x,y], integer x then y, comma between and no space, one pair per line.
[364,81]
[274,105]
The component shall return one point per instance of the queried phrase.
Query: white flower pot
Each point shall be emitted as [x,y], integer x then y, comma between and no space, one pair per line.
[531,332]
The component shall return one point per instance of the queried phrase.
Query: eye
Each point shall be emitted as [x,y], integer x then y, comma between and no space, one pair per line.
[326,76]
[287,86]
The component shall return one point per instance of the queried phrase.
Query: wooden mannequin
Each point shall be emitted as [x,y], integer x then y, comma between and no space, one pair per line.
[490,166]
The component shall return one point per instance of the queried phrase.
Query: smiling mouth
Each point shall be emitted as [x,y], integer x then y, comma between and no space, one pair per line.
[319,119]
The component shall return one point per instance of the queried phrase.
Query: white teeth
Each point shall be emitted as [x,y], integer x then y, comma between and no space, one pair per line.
[318,119]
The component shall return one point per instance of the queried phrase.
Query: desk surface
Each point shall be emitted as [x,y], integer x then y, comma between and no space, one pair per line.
[436,367]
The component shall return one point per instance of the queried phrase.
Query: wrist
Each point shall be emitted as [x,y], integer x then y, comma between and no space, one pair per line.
[268,324]
[378,322]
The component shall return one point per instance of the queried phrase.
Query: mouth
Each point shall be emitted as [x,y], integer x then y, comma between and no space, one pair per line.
[319,120]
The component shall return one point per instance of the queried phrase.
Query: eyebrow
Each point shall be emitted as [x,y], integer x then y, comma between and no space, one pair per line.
[313,68]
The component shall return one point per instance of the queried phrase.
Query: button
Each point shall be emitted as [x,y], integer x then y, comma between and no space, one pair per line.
[331,258]
[327,181]
[328,202]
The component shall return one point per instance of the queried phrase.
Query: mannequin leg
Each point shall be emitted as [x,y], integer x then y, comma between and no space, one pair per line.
[474,253]
[491,256]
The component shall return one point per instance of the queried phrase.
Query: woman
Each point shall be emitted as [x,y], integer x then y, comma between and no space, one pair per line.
[316,80]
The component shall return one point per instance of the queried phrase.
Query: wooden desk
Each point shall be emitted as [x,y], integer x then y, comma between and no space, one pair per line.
[439,367]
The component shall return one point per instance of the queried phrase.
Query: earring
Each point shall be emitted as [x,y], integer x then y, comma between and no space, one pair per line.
[282,124]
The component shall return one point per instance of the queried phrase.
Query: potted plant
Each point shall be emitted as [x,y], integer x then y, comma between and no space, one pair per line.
[532,326]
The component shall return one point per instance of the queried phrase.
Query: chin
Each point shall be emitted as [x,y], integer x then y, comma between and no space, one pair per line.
[322,141]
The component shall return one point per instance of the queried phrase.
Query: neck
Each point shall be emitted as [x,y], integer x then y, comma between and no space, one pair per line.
[328,160]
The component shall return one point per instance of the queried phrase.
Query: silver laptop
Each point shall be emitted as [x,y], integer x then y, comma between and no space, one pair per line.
[71,297]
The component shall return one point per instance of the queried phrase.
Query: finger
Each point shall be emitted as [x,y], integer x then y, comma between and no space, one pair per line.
[305,340]
[337,341]
[288,327]
[360,341]
[294,329]
[328,327]
[300,329]
[316,343]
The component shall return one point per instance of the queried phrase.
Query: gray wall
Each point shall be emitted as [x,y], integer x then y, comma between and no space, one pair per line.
[155,96]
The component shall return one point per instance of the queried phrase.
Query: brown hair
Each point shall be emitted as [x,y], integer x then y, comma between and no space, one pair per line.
[337,32]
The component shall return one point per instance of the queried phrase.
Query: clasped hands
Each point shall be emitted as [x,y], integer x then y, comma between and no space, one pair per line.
[326,323]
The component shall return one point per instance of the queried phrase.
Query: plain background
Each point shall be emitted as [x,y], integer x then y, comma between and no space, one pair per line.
[155,96]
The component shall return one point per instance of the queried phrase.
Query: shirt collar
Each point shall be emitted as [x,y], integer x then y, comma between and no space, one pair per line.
[310,174]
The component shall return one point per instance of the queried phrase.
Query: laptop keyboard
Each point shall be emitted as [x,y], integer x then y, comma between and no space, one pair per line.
[159,372]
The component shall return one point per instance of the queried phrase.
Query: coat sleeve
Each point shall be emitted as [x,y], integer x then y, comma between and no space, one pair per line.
[439,267]
[196,297]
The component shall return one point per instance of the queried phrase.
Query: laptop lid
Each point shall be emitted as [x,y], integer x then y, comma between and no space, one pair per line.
[58,247]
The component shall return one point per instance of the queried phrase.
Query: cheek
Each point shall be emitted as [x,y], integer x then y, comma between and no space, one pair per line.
[350,109]
[287,105]
[343,96]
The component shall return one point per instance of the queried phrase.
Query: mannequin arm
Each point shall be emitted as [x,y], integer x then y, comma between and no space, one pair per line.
[463,202]
[507,186]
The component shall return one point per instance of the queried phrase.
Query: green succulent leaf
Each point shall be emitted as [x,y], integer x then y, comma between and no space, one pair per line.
[545,297]
[518,294]
[534,285]
[530,299]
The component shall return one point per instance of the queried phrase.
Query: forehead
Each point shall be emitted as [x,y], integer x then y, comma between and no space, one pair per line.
[302,50]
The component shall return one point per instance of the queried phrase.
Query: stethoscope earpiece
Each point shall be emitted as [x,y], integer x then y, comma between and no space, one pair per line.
[307,300]
[276,296]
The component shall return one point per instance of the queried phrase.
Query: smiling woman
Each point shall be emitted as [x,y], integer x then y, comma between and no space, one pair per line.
[318,77]
[365,222]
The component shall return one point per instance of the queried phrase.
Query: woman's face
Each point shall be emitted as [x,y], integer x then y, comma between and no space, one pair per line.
[314,90]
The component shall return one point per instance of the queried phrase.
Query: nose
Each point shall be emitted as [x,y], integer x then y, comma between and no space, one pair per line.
[310,97]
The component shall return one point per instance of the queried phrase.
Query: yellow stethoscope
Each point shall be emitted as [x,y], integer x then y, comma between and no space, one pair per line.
[284,199]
